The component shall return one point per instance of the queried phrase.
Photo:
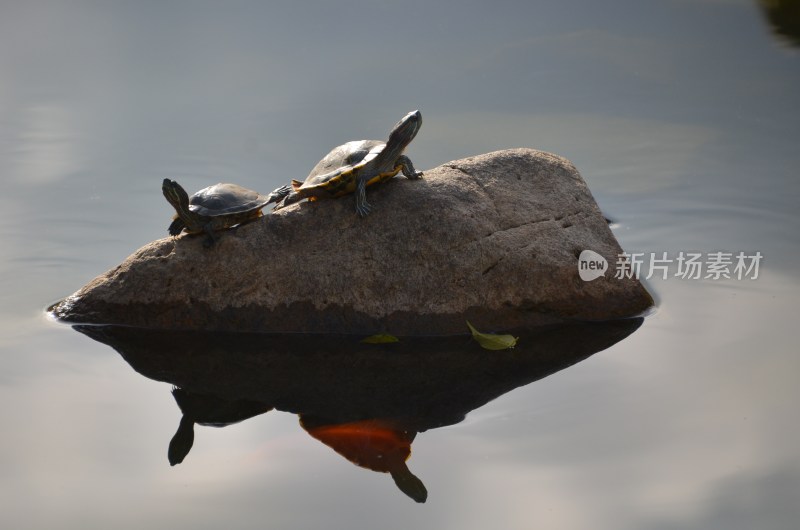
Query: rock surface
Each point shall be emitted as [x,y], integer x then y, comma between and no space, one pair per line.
[494,239]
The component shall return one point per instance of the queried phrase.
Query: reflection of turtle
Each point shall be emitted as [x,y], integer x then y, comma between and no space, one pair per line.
[355,165]
[206,410]
[379,445]
[214,208]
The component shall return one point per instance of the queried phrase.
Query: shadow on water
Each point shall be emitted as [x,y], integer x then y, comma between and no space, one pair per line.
[365,401]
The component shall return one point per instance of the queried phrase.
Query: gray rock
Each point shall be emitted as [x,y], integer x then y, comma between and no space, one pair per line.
[493,239]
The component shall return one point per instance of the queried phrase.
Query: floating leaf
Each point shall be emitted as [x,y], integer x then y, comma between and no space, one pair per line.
[490,341]
[380,338]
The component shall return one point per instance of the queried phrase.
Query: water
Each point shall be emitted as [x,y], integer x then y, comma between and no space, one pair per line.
[681,116]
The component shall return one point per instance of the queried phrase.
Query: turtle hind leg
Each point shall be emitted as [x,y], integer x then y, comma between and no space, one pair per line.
[176,227]
[279,194]
[290,198]
[408,168]
[362,206]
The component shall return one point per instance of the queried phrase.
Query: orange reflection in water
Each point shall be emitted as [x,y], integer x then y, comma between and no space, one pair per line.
[379,445]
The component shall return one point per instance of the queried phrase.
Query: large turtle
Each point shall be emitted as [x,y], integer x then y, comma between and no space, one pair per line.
[355,165]
[214,208]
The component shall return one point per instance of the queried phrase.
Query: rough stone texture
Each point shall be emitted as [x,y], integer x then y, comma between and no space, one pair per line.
[492,238]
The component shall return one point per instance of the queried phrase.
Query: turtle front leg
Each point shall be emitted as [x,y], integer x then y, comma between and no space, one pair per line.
[177,226]
[211,238]
[407,168]
[362,207]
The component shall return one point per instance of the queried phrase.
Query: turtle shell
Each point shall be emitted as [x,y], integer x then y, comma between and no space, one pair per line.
[226,199]
[339,164]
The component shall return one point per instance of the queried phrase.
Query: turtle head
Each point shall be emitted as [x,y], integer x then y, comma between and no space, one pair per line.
[405,131]
[179,199]
[175,195]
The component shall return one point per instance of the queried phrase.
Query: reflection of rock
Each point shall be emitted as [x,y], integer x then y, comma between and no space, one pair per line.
[784,18]
[365,401]
[493,239]
[429,382]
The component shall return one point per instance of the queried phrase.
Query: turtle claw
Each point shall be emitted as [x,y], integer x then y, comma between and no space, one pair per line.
[408,168]
[363,209]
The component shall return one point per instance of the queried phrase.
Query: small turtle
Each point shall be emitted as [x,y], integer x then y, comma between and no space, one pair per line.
[214,208]
[355,165]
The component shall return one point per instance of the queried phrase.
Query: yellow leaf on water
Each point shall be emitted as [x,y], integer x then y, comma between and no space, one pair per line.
[490,341]
[381,338]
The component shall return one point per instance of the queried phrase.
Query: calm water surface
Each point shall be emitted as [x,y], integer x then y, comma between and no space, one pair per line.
[682,117]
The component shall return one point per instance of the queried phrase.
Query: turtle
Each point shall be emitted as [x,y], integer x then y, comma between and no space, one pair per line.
[353,166]
[215,208]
